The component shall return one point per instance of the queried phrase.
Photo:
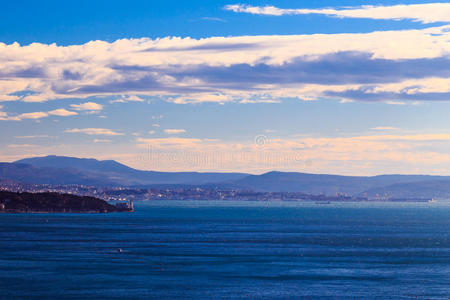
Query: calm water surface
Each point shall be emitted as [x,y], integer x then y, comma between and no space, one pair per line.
[219,250]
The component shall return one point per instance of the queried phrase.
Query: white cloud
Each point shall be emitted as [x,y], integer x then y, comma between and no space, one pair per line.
[22,146]
[174,131]
[414,137]
[201,97]
[395,102]
[25,116]
[213,19]
[170,143]
[87,106]
[62,112]
[383,128]
[424,13]
[102,141]
[93,131]
[33,136]
[248,101]
[5,98]
[128,98]
[245,69]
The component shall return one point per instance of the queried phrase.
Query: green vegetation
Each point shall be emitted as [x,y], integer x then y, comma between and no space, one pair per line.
[54,202]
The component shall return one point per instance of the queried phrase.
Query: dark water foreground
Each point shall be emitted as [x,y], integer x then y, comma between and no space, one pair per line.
[206,250]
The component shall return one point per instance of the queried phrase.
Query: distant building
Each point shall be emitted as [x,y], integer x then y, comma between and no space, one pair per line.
[126,206]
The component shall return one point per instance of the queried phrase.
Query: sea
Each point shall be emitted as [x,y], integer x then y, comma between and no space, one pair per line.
[230,250]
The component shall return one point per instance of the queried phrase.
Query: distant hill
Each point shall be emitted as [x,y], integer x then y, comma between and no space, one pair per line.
[322,183]
[439,189]
[31,174]
[113,172]
[82,164]
[71,170]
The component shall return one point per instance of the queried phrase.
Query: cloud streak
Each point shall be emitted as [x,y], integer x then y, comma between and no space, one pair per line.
[61,112]
[370,154]
[93,131]
[423,13]
[174,131]
[384,128]
[378,153]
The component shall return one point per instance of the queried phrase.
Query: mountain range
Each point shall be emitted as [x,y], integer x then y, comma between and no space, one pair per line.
[71,170]
[110,172]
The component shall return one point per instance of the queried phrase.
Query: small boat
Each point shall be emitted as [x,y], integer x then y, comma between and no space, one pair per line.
[323,202]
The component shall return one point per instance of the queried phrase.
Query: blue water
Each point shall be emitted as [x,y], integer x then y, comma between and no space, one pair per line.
[218,250]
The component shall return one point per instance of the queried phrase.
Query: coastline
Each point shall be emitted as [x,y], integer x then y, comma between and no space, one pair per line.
[47,203]
[61,212]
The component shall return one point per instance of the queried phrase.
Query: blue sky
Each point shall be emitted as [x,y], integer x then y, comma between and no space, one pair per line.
[346,87]
[76,22]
